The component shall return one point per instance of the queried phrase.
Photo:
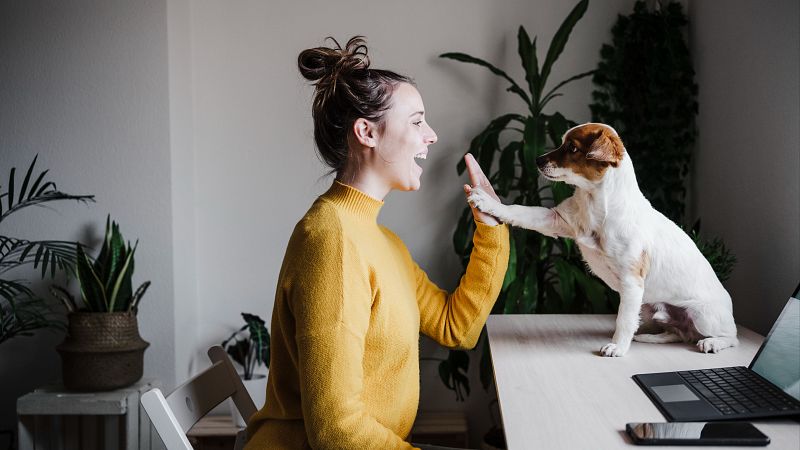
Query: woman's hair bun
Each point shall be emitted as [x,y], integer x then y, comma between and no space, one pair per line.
[323,64]
[345,89]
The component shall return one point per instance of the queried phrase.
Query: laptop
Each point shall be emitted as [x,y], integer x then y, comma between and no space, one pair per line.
[769,387]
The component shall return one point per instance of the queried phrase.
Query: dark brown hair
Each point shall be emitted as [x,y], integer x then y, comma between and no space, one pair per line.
[346,89]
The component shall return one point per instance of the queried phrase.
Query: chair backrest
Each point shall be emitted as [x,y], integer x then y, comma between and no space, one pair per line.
[173,415]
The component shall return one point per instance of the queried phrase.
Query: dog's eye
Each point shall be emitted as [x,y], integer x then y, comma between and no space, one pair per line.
[573,149]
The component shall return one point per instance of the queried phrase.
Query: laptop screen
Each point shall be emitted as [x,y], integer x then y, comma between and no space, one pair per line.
[778,360]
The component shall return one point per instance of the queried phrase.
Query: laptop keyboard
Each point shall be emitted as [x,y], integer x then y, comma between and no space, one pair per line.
[737,390]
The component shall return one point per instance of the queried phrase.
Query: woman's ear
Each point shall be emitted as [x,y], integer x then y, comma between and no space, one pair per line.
[365,132]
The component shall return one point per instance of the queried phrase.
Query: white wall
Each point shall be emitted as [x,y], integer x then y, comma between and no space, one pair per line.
[84,85]
[747,167]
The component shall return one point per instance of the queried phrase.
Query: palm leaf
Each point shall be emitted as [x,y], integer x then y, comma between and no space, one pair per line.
[25,316]
[11,290]
[36,195]
[27,178]
[18,252]
[560,40]
[462,57]
[10,194]
[552,93]
[530,63]
[483,145]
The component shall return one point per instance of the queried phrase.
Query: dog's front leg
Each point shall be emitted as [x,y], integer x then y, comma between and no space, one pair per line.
[543,220]
[630,303]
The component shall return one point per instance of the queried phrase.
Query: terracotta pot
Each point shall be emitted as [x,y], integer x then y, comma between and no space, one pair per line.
[102,351]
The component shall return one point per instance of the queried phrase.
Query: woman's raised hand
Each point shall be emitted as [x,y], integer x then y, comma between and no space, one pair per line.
[478,179]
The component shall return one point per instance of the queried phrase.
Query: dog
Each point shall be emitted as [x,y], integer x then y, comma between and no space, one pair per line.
[659,273]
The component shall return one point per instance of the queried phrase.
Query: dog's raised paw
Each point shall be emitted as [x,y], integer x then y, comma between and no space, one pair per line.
[612,349]
[481,200]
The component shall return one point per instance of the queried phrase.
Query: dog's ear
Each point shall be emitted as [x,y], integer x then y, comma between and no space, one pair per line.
[606,147]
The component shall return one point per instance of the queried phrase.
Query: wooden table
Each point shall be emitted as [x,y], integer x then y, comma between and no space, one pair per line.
[556,392]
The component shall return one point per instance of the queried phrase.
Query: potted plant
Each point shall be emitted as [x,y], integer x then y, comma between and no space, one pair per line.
[545,275]
[21,310]
[103,349]
[249,347]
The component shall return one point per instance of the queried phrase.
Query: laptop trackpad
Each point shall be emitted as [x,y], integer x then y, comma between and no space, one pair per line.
[674,393]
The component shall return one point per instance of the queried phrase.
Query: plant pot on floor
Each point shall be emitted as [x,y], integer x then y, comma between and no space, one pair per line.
[257,388]
[102,351]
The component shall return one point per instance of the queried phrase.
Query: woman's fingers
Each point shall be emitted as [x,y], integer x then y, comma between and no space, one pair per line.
[477,177]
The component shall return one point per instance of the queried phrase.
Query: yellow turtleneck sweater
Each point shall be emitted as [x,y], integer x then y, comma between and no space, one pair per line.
[349,307]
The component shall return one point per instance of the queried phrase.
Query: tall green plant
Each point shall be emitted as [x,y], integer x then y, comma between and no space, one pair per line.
[21,310]
[545,275]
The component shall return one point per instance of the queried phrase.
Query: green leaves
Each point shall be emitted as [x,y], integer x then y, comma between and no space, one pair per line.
[645,89]
[44,255]
[544,274]
[251,349]
[37,193]
[21,311]
[93,291]
[471,59]
[560,39]
[105,283]
[530,62]
[718,255]
[484,145]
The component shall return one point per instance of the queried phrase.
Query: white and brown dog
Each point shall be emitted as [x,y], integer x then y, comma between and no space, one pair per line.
[656,268]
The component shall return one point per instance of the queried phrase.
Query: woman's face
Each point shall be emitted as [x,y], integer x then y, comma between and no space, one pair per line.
[404,137]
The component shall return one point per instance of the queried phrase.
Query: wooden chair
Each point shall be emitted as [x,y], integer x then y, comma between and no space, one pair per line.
[175,414]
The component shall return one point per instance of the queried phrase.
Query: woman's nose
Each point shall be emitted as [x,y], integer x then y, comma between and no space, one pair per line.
[430,137]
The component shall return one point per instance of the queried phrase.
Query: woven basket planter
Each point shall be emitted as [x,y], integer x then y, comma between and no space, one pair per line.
[102,351]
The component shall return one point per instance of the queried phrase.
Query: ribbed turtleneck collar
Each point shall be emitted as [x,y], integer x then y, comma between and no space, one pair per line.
[353,200]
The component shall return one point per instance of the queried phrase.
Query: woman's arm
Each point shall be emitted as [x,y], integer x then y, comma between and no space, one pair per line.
[455,320]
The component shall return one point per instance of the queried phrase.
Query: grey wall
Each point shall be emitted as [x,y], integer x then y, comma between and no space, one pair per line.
[84,85]
[747,169]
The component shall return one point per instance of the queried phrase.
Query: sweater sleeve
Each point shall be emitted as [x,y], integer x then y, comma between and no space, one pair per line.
[331,301]
[455,320]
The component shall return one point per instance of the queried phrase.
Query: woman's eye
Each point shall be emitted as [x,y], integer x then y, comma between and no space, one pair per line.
[418,123]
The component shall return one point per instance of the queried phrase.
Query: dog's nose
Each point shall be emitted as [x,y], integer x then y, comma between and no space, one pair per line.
[541,161]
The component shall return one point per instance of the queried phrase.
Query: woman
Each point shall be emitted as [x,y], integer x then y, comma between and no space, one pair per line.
[350,301]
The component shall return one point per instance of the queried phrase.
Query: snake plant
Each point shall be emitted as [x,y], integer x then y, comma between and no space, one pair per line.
[105,283]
